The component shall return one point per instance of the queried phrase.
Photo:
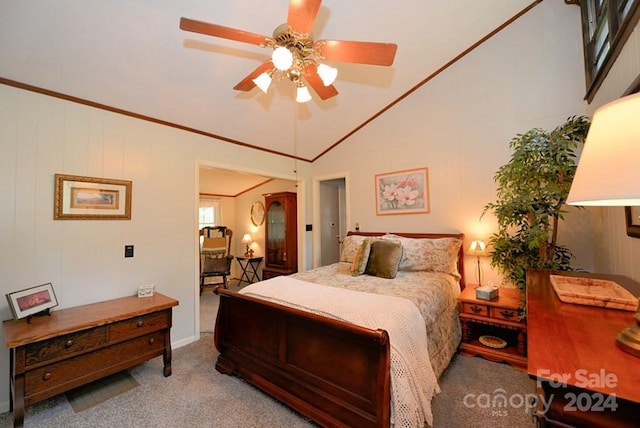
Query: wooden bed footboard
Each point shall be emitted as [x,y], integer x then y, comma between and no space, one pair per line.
[331,371]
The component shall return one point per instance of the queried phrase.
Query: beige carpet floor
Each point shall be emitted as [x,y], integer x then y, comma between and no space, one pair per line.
[196,395]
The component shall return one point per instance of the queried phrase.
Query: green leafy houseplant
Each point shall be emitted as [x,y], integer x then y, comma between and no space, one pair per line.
[532,189]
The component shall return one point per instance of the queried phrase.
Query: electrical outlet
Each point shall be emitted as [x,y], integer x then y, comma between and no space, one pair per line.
[128,250]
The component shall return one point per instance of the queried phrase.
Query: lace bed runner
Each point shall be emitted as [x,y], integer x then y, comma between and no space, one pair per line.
[413,382]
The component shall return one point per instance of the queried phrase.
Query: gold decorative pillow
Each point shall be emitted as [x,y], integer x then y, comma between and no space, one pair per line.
[361,258]
[384,258]
[350,246]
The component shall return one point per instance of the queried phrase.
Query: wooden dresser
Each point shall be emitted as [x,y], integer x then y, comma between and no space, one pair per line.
[75,346]
[584,379]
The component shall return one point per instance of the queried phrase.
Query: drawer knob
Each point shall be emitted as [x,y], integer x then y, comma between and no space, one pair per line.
[46,376]
[140,323]
[152,341]
[507,314]
[68,343]
[476,309]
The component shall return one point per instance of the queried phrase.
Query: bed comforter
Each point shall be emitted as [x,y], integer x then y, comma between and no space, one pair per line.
[435,294]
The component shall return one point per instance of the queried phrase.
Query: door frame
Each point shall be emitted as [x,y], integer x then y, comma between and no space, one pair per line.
[317,245]
[300,208]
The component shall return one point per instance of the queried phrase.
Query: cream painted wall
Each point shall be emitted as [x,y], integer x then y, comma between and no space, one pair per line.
[41,136]
[615,252]
[459,126]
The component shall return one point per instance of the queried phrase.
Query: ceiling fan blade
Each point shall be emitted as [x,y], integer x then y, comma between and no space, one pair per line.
[302,14]
[371,53]
[324,92]
[215,30]
[247,83]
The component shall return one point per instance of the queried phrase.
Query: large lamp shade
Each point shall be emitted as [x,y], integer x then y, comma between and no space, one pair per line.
[607,172]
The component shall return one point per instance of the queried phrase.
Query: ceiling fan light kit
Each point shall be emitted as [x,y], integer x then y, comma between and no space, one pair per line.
[282,58]
[296,55]
[302,93]
[327,73]
[263,81]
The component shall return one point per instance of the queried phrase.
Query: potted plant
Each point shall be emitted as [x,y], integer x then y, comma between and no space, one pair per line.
[532,189]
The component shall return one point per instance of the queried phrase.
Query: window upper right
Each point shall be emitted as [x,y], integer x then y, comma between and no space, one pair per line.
[606,26]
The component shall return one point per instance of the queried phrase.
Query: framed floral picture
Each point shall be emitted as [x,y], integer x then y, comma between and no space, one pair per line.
[402,192]
[91,198]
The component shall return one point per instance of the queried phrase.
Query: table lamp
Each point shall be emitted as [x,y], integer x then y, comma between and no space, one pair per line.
[246,239]
[607,174]
[478,249]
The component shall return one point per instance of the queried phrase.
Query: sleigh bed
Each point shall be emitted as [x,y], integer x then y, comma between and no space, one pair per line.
[305,341]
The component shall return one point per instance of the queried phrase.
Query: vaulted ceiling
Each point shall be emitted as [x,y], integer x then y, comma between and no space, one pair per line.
[131,55]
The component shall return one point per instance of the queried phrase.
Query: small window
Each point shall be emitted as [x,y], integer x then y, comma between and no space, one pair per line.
[606,26]
[209,213]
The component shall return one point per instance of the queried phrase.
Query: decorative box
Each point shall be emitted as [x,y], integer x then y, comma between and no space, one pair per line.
[146,290]
[487,292]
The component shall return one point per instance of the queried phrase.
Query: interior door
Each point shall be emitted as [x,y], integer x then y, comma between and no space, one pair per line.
[332,219]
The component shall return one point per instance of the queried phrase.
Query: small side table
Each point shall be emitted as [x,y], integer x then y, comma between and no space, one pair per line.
[497,317]
[249,267]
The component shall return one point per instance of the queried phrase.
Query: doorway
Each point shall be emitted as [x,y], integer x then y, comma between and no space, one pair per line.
[331,222]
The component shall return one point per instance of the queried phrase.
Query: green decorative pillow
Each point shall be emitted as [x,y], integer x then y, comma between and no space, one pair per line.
[361,258]
[384,258]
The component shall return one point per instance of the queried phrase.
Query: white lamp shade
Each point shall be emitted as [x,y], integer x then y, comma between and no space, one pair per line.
[282,58]
[607,172]
[327,73]
[263,81]
[302,94]
[478,248]
[246,238]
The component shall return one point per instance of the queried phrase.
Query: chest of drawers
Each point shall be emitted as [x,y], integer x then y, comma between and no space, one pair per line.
[75,346]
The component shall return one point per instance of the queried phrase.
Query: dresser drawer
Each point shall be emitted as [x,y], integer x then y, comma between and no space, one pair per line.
[139,325]
[58,377]
[69,344]
[505,314]
[475,309]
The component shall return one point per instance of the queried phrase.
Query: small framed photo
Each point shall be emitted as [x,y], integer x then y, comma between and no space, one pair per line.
[402,192]
[633,221]
[91,198]
[32,300]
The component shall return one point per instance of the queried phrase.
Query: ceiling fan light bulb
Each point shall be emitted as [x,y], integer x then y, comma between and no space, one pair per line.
[263,81]
[282,58]
[327,73]
[302,94]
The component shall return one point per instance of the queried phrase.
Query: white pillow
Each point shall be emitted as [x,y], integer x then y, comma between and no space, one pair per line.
[429,254]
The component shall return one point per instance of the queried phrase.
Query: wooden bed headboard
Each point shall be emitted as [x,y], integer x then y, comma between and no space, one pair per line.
[430,236]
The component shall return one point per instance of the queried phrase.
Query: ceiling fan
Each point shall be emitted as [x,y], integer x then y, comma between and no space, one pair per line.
[296,54]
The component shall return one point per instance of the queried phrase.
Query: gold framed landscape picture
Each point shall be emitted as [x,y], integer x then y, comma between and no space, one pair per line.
[91,198]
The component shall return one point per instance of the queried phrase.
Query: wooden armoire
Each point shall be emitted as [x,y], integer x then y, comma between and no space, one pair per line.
[281,234]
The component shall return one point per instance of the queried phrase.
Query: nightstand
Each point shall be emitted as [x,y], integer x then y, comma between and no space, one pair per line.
[249,267]
[497,317]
